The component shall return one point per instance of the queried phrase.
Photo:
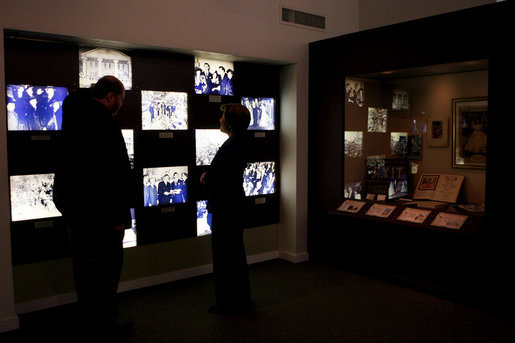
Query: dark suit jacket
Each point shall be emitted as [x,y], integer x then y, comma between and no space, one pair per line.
[225,177]
[92,179]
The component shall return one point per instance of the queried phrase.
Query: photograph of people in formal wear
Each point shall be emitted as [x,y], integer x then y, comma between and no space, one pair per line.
[354,92]
[203,219]
[165,185]
[35,108]
[262,112]
[164,110]
[213,77]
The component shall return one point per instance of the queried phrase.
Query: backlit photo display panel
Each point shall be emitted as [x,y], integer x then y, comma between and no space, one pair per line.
[35,108]
[259,178]
[32,197]
[207,143]
[262,112]
[165,185]
[95,63]
[164,110]
[213,77]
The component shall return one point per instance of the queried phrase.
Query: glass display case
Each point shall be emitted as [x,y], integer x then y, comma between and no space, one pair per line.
[402,124]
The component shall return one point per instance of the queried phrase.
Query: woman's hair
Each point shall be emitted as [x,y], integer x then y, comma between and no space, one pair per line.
[237,117]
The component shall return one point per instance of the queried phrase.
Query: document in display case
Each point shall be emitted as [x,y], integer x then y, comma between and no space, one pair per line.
[352,206]
[439,187]
[380,210]
[449,220]
[414,215]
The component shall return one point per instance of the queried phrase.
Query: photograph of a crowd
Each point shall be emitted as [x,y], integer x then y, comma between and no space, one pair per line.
[35,108]
[259,178]
[165,185]
[32,197]
[164,110]
[213,77]
[207,143]
[262,112]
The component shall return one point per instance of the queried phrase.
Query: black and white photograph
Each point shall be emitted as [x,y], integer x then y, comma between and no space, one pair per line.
[259,178]
[32,197]
[354,92]
[399,143]
[207,143]
[213,77]
[164,110]
[35,108]
[377,118]
[353,144]
[130,237]
[128,137]
[203,219]
[262,112]
[352,190]
[95,63]
[165,186]
[376,167]
[400,100]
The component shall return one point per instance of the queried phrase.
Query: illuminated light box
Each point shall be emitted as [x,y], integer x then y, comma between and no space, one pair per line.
[165,185]
[32,197]
[35,108]
[128,137]
[213,77]
[354,92]
[377,119]
[259,178]
[203,219]
[262,112]
[207,143]
[352,190]
[95,63]
[130,238]
[353,143]
[164,110]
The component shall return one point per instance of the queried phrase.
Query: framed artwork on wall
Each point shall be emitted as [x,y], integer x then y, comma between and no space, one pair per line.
[438,132]
[470,132]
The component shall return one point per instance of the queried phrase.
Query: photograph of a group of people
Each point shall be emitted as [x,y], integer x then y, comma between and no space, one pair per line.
[203,219]
[164,110]
[35,108]
[262,112]
[213,77]
[165,185]
[207,143]
[354,92]
[32,197]
[259,178]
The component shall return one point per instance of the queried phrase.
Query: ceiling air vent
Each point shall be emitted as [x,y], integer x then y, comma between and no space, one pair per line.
[308,20]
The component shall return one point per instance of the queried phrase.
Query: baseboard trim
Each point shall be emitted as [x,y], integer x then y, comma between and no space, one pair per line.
[294,258]
[125,286]
[10,323]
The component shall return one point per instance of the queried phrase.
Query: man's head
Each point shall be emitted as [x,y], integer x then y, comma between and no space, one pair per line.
[110,92]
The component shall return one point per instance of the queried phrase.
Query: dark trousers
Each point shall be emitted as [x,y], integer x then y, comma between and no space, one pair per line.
[232,285]
[97,255]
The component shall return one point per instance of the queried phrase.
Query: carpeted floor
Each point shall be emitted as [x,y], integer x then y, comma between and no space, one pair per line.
[303,302]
